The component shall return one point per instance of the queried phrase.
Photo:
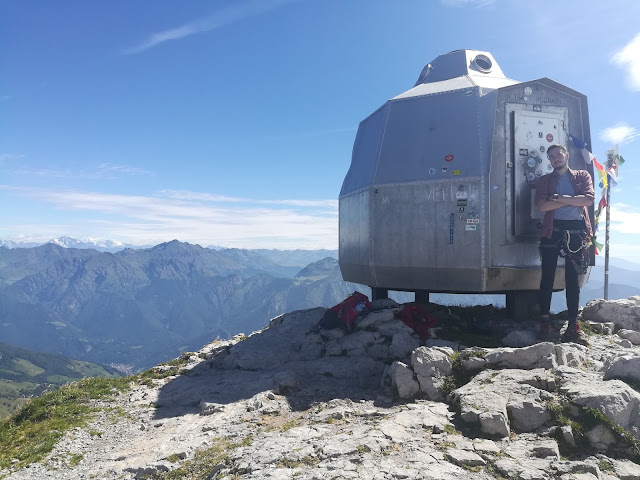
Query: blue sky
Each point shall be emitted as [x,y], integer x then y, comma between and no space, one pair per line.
[231,122]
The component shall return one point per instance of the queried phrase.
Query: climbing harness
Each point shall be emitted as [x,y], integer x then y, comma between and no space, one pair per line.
[579,257]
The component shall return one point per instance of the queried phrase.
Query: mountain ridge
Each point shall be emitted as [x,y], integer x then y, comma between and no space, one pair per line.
[140,306]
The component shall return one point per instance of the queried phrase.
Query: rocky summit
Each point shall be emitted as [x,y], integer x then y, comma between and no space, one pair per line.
[296,401]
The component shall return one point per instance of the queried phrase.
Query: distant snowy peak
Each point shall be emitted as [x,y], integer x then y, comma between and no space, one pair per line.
[101,245]
[70,242]
[12,244]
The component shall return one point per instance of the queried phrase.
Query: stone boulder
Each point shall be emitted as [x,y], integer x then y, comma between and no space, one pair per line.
[615,399]
[505,399]
[402,344]
[432,366]
[624,313]
[402,380]
[631,335]
[540,355]
[623,367]
[570,354]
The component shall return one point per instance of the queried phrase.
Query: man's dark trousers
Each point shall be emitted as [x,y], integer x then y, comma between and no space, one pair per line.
[549,252]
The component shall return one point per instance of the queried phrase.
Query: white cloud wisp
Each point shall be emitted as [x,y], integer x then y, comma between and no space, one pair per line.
[629,58]
[198,218]
[620,133]
[104,171]
[624,219]
[467,3]
[226,16]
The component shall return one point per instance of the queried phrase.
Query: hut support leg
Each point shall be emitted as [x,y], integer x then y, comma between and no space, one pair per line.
[422,297]
[379,293]
[522,304]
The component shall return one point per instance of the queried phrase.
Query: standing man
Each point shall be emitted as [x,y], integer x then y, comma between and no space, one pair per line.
[563,195]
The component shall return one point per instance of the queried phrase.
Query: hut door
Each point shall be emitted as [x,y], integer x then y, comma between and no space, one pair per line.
[533,133]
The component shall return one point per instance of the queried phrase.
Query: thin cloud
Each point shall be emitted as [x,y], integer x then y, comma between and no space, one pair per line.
[212,198]
[628,58]
[200,197]
[628,251]
[219,19]
[35,232]
[621,133]
[45,172]
[104,171]
[625,219]
[467,3]
[149,219]
[126,169]
[329,204]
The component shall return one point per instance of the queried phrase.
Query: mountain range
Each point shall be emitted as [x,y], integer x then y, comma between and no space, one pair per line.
[70,242]
[140,307]
[137,307]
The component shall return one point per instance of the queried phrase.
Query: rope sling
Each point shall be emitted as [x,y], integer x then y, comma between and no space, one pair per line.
[580,261]
[579,257]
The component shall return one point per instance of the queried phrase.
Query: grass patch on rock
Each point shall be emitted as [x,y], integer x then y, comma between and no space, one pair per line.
[206,463]
[31,433]
[586,328]
[460,376]
[583,419]
[164,370]
[308,461]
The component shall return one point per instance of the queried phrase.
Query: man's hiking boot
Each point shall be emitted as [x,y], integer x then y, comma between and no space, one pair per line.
[544,331]
[575,334]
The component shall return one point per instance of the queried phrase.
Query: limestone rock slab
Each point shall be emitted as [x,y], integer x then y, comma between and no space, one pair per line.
[631,335]
[541,355]
[624,313]
[402,379]
[464,457]
[623,366]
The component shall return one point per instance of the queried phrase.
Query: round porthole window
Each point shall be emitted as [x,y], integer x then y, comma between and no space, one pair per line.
[483,63]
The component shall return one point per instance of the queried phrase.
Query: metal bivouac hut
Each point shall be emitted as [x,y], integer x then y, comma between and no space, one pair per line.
[439,194]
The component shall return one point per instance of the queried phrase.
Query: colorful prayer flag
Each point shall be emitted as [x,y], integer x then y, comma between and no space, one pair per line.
[596,164]
[587,156]
[613,176]
[602,175]
[602,203]
[577,142]
[612,165]
[598,246]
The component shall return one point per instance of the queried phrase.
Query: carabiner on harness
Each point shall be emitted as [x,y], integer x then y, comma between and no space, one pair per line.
[580,261]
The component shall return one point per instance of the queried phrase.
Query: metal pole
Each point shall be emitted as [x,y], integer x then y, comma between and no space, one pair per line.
[606,243]
[610,154]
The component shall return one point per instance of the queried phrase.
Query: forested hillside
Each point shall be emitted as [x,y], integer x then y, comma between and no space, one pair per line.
[25,373]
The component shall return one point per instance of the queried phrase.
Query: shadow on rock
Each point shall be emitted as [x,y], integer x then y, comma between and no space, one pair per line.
[290,357]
